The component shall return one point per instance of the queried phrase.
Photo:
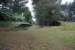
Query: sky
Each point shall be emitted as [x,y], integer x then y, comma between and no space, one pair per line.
[67,1]
[31,9]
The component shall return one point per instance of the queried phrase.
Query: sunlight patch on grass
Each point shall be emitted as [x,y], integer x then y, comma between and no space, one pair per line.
[68,26]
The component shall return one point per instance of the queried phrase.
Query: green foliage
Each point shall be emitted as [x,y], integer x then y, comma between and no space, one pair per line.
[46,10]
[27,15]
[11,8]
[5,24]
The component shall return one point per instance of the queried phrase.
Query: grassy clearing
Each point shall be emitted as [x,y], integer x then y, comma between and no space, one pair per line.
[47,38]
[61,36]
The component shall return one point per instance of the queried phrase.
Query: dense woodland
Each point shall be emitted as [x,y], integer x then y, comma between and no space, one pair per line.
[48,12]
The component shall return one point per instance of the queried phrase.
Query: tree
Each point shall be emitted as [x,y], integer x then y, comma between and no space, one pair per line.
[45,11]
[27,15]
[14,7]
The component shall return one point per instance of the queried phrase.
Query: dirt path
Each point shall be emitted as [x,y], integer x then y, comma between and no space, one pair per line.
[22,41]
[18,41]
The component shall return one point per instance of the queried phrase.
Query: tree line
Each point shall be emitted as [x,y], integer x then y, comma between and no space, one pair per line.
[48,12]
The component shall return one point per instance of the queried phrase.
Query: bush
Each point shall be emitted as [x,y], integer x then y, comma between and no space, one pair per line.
[4,24]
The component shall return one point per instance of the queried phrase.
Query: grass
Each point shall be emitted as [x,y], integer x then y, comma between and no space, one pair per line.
[69,26]
[63,35]
[47,38]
